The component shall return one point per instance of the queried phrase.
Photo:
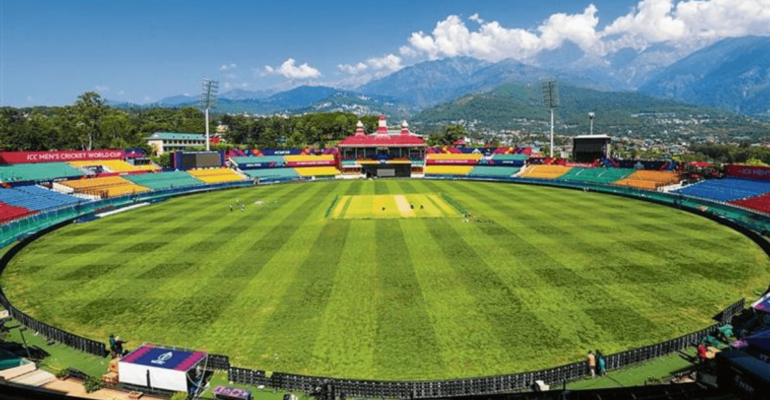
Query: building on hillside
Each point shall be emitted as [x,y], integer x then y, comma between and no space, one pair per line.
[163,142]
[385,153]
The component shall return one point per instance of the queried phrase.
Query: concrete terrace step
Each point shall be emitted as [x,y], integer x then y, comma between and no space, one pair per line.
[35,378]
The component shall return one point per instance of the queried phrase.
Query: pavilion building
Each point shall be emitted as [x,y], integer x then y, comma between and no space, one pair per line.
[385,153]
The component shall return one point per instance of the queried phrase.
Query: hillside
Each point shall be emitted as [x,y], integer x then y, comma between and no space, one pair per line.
[306,99]
[513,107]
[732,74]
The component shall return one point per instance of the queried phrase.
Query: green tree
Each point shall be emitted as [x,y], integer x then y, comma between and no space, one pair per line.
[448,137]
[89,110]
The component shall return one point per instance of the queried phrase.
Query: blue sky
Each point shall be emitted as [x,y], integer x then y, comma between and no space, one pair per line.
[140,51]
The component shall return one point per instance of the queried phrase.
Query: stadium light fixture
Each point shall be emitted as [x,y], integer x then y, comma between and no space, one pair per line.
[551,100]
[591,116]
[209,88]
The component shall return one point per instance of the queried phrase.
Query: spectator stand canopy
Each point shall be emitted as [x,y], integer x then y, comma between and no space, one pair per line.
[162,368]
[386,153]
[763,304]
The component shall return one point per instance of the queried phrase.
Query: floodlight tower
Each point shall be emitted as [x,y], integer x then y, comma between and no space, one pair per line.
[591,116]
[551,100]
[209,89]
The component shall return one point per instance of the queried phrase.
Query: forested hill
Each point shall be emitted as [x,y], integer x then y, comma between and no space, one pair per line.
[513,106]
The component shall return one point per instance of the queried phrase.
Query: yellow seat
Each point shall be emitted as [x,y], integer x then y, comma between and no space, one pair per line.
[448,169]
[649,179]
[323,157]
[215,175]
[317,171]
[453,156]
[544,171]
[109,186]
[114,165]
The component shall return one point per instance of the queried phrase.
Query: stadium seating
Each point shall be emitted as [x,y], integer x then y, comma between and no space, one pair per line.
[215,175]
[9,212]
[317,171]
[272,173]
[544,171]
[164,180]
[448,169]
[447,158]
[761,203]
[301,158]
[510,157]
[644,179]
[36,198]
[487,171]
[38,172]
[109,186]
[596,175]
[729,189]
[277,160]
[114,165]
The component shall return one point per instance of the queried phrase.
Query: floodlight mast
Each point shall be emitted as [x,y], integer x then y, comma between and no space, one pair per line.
[551,100]
[209,88]
[591,116]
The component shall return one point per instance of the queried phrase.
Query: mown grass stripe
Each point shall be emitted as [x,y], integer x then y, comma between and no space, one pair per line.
[290,333]
[403,323]
[346,342]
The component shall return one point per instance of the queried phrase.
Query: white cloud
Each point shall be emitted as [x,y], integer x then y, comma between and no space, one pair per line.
[451,37]
[121,93]
[691,23]
[226,67]
[353,69]
[579,28]
[232,85]
[375,66]
[684,24]
[289,70]
[29,99]
[102,88]
[476,18]
[390,63]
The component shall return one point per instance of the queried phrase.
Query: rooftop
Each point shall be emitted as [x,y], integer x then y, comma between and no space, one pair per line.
[176,136]
[592,137]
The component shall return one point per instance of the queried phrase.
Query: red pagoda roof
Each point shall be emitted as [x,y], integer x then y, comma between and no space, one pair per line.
[381,141]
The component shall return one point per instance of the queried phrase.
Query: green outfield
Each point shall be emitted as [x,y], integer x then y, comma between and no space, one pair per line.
[315,278]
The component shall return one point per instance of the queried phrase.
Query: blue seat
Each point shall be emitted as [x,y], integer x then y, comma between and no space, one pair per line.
[728,189]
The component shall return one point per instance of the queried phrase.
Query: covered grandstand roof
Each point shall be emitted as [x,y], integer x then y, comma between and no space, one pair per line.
[383,137]
[382,141]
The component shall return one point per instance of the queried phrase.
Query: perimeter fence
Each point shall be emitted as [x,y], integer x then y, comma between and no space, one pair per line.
[471,386]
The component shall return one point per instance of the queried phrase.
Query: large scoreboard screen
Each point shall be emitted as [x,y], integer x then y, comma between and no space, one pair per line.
[185,160]
[589,149]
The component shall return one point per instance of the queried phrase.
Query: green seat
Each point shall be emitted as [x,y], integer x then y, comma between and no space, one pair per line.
[492,171]
[38,172]
[271,173]
[510,157]
[596,175]
[164,180]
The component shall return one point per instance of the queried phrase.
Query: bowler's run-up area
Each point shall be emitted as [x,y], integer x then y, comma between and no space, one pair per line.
[315,278]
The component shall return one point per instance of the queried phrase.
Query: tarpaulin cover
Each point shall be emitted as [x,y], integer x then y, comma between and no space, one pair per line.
[163,358]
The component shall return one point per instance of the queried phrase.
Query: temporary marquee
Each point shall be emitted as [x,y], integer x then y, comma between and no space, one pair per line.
[160,368]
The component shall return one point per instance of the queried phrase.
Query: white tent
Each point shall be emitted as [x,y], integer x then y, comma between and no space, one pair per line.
[160,368]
